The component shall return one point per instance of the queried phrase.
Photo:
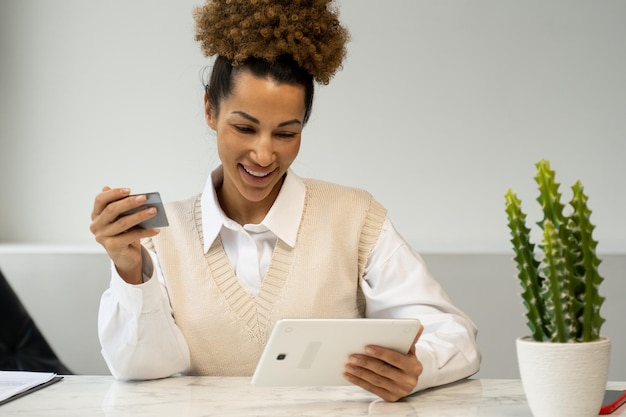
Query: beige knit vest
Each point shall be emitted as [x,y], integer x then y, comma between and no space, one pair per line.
[225,327]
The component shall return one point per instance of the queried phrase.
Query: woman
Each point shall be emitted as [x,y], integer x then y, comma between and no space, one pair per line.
[260,243]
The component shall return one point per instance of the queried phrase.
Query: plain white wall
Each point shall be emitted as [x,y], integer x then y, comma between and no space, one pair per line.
[441,106]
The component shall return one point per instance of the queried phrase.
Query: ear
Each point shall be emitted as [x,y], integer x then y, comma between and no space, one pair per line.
[209,113]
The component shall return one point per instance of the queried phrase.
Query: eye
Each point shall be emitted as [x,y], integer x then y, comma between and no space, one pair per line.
[286,135]
[244,129]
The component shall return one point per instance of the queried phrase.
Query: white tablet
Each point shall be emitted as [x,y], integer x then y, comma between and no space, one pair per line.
[314,352]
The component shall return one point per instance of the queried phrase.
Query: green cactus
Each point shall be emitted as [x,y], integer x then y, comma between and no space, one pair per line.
[528,267]
[589,294]
[560,290]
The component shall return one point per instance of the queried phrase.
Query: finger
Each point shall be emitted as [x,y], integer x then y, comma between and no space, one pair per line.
[373,384]
[372,370]
[375,371]
[107,196]
[116,210]
[417,337]
[386,372]
[126,221]
[120,244]
[392,357]
[384,380]
[112,224]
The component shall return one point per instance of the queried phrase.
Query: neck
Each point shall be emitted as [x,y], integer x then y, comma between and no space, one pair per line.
[243,211]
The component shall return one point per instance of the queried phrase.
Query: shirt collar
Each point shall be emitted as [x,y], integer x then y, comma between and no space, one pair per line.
[283,219]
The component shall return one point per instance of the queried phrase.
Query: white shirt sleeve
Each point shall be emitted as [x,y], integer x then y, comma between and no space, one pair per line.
[397,284]
[137,332]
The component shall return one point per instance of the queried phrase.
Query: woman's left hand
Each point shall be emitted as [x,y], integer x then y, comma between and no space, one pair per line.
[385,372]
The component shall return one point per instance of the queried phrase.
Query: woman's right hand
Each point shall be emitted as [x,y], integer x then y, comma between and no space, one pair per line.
[118,235]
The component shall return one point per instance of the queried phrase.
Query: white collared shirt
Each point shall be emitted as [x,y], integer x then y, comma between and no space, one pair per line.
[141,341]
[249,247]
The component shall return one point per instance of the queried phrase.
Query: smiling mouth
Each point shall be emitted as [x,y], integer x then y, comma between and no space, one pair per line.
[257,174]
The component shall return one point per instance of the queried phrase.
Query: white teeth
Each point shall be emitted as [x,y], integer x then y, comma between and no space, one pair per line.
[256,174]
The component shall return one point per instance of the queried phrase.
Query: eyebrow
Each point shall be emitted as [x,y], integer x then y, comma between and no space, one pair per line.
[255,120]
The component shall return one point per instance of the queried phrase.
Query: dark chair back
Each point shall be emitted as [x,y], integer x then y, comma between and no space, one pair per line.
[22,346]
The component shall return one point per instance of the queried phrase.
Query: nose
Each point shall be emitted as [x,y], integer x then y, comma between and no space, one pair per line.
[263,150]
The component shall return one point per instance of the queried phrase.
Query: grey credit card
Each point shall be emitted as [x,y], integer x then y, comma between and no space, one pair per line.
[153,200]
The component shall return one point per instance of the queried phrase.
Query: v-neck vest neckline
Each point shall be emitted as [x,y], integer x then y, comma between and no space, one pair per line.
[253,310]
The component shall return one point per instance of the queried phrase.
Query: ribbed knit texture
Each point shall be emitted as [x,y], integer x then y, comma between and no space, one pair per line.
[225,327]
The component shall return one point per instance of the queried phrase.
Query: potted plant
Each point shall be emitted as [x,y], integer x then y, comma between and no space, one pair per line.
[560,290]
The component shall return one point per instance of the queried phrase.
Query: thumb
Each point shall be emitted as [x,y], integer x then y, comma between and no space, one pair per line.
[417,336]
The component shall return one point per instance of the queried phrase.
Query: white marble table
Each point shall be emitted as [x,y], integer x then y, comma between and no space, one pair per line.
[87,396]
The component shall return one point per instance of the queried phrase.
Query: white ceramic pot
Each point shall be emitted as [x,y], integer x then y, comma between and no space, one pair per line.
[564,379]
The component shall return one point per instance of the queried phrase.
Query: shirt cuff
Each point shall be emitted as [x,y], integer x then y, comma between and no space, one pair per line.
[137,299]
[430,369]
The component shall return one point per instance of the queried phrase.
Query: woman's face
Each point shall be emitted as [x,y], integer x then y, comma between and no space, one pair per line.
[258,131]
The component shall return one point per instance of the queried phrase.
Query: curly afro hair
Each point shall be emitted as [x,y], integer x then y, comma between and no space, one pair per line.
[308,30]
